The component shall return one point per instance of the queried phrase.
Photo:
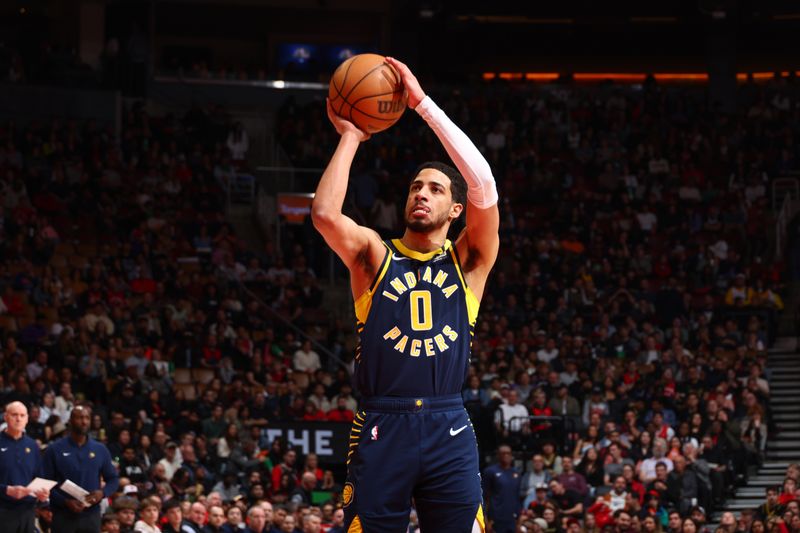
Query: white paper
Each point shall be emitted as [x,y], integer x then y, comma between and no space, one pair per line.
[76,491]
[40,483]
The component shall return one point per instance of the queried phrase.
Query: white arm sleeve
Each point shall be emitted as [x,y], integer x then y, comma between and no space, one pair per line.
[482,192]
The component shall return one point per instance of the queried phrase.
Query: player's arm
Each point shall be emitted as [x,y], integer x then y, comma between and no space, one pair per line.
[358,247]
[479,243]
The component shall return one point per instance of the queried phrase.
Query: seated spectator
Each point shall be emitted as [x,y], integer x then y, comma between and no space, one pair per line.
[511,417]
[647,469]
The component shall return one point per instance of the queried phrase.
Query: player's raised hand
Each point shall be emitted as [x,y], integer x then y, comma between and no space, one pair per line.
[413,88]
[344,126]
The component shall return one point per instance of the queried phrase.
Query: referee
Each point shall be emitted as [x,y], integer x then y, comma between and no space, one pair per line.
[82,460]
[20,462]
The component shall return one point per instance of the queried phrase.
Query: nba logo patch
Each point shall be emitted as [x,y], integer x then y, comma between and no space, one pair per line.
[374,433]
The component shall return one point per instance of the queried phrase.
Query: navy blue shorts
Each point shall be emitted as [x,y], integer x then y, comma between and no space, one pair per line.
[420,448]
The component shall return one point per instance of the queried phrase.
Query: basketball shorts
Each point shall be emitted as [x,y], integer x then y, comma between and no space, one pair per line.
[413,449]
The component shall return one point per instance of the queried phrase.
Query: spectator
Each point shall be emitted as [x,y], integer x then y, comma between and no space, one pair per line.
[216,519]
[302,493]
[306,359]
[197,517]
[648,466]
[682,486]
[511,417]
[501,488]
[174,518]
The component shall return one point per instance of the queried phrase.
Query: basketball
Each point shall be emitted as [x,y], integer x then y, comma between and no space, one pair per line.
[368,92]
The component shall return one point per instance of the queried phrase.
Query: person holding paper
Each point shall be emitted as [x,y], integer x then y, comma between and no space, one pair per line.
[82,461]
[20,464]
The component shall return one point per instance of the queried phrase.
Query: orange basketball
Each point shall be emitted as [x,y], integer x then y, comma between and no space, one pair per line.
[368,92]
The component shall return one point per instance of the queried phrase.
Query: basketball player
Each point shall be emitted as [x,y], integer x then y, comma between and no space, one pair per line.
[416,302]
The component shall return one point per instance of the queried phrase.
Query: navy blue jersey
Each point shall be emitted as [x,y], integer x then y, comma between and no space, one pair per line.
[20,462]
[415,325]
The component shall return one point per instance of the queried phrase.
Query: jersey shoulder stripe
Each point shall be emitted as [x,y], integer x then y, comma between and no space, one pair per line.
[364,302]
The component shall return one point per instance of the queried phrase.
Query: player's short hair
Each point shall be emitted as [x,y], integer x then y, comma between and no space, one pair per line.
[458,186]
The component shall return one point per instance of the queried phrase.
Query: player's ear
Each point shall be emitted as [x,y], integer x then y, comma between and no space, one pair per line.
[455,210]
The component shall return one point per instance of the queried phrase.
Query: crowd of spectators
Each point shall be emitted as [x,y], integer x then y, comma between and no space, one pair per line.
[630,309]
[119,276]
[632,305]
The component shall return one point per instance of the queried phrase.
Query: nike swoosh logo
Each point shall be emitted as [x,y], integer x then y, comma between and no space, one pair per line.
[398,258]
[66,454]
[454,432]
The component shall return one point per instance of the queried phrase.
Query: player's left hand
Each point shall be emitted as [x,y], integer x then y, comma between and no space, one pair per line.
[413,88]
[345,126]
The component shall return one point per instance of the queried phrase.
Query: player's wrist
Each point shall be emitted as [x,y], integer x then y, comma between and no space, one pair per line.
[415,99]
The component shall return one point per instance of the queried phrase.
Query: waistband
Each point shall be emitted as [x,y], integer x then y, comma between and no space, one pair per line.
[396,404]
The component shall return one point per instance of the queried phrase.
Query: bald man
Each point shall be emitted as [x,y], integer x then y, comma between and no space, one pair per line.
[20,462]
[84,461]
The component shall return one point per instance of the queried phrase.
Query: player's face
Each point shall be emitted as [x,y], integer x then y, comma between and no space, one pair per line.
[430,202]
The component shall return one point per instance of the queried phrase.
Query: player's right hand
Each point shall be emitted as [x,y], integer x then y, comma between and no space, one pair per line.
[343,126]
[413,88]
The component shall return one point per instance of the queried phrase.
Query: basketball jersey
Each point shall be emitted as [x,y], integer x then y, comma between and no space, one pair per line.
[415,325]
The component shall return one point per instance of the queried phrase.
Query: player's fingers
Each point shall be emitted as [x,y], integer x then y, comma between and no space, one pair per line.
[399,65]
[331,114]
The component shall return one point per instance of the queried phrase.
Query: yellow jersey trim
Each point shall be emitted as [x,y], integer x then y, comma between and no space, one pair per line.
[364,302]
[479,518]
[420,256]
[355,526]
[473,305]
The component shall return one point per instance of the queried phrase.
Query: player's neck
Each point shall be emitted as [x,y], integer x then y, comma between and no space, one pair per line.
[424,242]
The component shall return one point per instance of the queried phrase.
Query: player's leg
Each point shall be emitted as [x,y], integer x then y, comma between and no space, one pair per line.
[382,465]
[448,495]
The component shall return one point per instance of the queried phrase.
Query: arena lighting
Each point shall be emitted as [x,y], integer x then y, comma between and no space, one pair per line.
[631,77]
[541,76]
[621,77]
[681,77]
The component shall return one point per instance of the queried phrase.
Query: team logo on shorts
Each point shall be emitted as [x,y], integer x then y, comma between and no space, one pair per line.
[347,494]
[374,433]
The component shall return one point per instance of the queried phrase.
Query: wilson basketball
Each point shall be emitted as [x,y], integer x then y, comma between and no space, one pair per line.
[368,92]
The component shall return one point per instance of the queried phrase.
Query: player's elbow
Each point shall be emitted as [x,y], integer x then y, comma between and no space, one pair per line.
[323,217]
